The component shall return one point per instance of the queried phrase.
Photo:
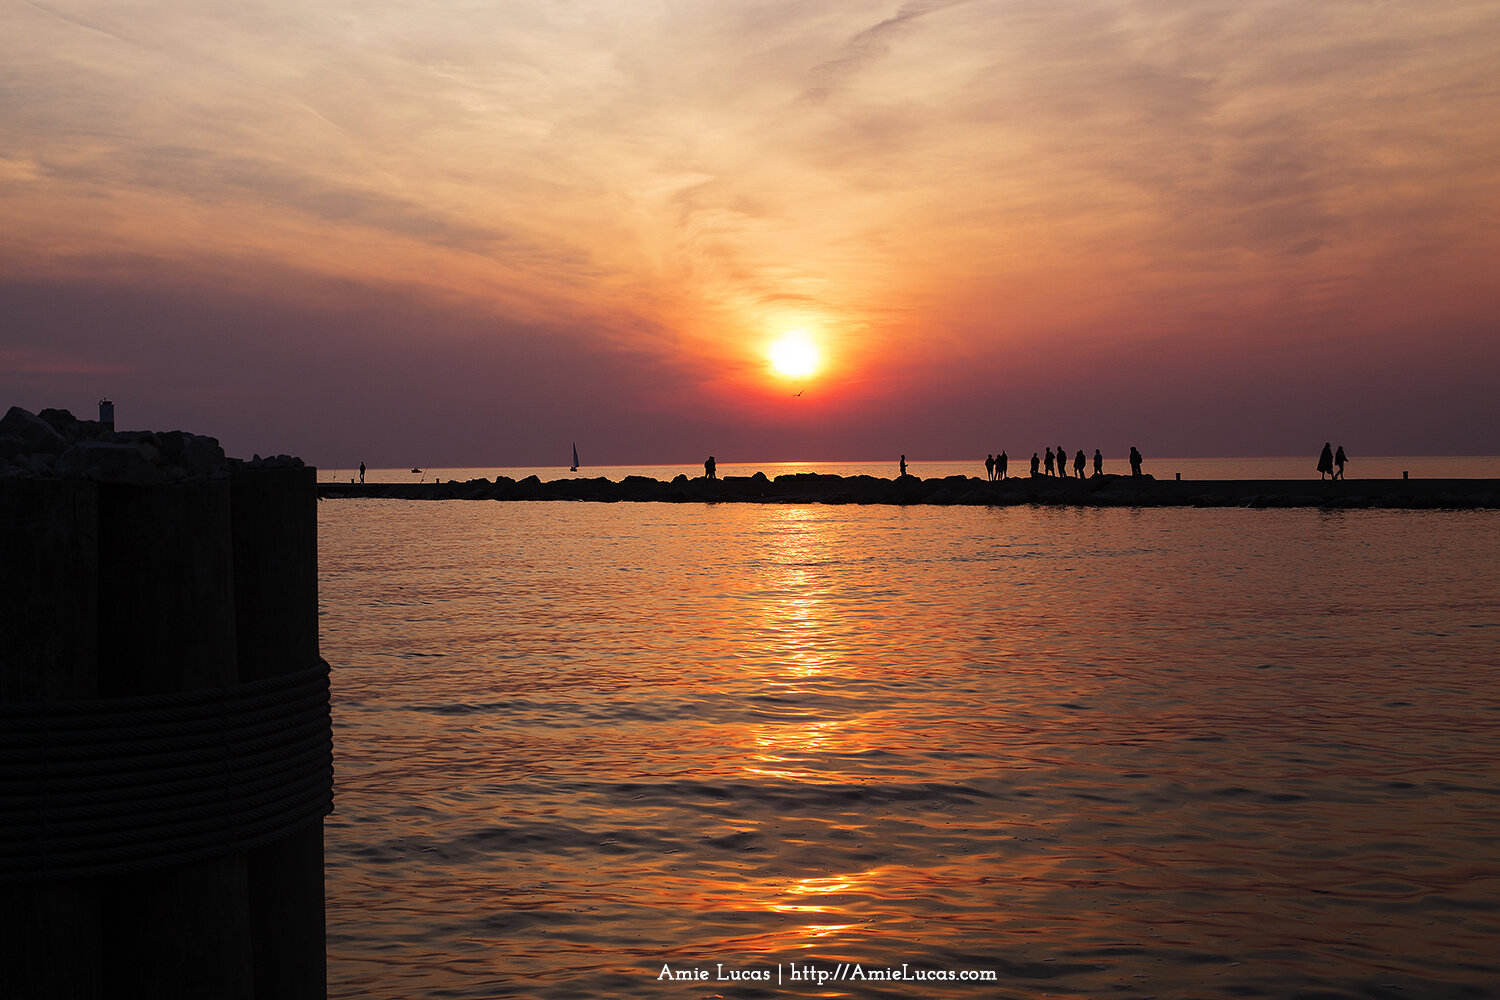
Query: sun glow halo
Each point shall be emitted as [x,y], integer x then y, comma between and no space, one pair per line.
[795,356]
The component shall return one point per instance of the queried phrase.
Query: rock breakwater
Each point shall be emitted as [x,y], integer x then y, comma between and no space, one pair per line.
[54,444]
[1100,491]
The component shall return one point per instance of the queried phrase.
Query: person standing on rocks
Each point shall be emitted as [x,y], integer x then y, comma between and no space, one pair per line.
[1062,461]
[1135,462]
[989,467]
[361,472]
[1049,461]
[710,468]
[1000,464]
[1078,463]
[1034,461]
[903,466]
[1325,461]
[1098,463]
[1339,458]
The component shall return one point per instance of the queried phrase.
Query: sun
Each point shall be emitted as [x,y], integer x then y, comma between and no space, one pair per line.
[795,356]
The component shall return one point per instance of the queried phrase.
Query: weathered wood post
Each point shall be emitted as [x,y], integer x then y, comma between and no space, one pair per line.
[166,624]
[276,600]
[50,944]
[165,743]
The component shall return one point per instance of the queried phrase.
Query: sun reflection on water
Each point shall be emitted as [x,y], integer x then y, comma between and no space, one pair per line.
[790,744]
[1046,741]
[824,902]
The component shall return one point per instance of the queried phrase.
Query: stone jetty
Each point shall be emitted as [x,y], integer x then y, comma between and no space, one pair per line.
[1100,491]
[54,444]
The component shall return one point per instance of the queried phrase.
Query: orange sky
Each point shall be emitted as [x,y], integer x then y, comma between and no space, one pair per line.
[476,231]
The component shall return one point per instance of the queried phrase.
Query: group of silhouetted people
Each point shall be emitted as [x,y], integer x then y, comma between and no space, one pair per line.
[1331,463]
[1056,463]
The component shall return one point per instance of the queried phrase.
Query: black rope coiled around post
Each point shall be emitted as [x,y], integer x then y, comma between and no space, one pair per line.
[116,785]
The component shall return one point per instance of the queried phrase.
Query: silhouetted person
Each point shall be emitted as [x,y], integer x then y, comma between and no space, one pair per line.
[989,467]
[1000,464]
[361,472]
[1049,461]
[1034,462]
[1135,462]
[710,467]
[1078,463]
[1339,458]
[1325,461]
[1098,463]
[1062,461]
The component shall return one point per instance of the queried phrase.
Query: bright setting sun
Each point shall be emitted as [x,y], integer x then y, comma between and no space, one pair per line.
[794,355]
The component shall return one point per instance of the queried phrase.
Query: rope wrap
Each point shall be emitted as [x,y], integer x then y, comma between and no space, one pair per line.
[116,785]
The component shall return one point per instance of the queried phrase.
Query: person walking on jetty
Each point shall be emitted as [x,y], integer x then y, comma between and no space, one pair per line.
[989,467]
[710,468]
[1078,463]
[361,472]
[1049,461]
[1135,462]
[1034,462]
[1339,458]
[1098,463]
[1000,464]
[1325,461]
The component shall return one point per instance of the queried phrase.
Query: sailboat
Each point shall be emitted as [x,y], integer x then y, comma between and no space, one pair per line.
[575,457]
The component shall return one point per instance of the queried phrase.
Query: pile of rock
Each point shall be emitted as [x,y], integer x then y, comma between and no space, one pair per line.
[1096,491]
[54,444]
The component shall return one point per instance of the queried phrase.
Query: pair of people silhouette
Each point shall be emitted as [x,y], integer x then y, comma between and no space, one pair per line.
[1331,464]
[1057,462]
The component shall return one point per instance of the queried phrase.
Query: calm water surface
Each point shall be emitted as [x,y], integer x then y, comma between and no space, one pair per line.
[1090,753]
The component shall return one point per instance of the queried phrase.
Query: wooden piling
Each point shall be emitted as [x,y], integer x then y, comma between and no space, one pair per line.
[113,591]
[50,933]
[275,535]
[167,623]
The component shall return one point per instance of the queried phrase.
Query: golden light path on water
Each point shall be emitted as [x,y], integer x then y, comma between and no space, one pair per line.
[1171,753]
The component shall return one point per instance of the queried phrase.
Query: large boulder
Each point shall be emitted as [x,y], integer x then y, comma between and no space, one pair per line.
[23,432]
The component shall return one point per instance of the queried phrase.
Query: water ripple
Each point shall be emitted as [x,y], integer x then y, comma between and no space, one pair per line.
[1095,753]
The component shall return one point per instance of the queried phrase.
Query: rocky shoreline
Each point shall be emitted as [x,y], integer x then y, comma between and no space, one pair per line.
[1100,491]
[54,444]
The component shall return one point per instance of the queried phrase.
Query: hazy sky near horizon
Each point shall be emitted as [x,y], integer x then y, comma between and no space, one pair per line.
[460,233]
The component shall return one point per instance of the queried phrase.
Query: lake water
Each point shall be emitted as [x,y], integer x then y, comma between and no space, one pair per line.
[1073,753]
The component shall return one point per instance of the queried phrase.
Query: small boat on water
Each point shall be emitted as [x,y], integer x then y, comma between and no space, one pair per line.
[575,457]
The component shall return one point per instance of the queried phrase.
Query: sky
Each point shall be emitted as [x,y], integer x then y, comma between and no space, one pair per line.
[472,233]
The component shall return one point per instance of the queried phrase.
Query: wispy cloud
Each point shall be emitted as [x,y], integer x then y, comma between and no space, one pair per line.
[28,361]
